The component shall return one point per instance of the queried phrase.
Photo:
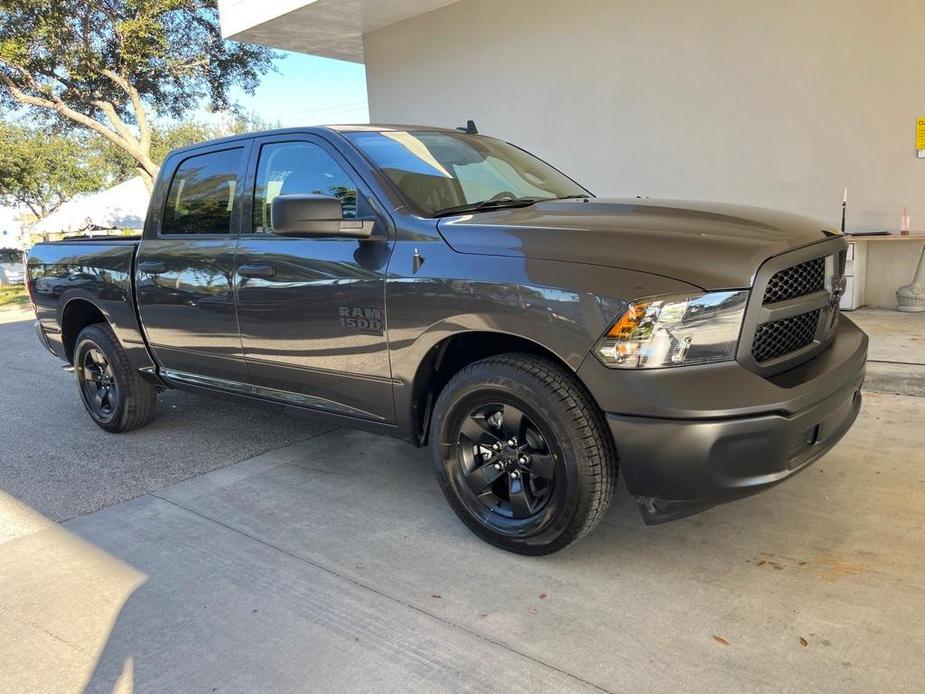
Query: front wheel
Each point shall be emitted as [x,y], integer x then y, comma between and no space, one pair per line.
[522,453]
[115,396]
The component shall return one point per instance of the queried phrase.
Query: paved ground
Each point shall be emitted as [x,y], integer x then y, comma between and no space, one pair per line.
[55,463]
[897,350]
[332,564]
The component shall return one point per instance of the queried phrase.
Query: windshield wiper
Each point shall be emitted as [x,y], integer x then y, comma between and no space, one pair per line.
[583,196]
[487,205]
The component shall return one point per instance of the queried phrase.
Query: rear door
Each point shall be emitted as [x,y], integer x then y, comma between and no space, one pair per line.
[312,310]
[185,267]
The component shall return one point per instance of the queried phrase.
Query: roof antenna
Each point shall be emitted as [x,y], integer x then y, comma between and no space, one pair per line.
[470,128]
[844,208]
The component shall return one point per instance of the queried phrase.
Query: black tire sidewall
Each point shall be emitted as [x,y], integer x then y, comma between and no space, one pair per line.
[568,507]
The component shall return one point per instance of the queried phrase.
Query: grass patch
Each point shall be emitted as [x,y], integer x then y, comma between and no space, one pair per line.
[13,296]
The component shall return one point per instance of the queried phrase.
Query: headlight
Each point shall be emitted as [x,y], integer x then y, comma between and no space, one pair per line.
[674,331]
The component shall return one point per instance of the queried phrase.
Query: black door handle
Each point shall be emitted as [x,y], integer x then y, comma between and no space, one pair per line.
[152,267]
[259,270]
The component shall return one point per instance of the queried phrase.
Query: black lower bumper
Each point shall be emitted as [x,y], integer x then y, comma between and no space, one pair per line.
[679,466]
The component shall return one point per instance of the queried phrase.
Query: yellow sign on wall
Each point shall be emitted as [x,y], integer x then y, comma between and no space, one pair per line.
[920,133]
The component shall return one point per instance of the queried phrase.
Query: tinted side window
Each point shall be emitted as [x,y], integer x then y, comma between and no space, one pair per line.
[288,168]
[201,195]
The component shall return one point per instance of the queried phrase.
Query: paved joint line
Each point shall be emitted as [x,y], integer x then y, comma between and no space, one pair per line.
[898,363]
[38,627]
[385,595]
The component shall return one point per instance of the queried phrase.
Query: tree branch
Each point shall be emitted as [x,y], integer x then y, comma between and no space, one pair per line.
[183,67]
[141,113]
[55,103]
[63,109]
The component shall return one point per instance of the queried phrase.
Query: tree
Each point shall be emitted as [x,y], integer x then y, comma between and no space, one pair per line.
[166,136]
[42,171]
[108,66]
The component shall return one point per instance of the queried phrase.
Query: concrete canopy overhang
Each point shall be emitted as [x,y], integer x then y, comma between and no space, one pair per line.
[329,28]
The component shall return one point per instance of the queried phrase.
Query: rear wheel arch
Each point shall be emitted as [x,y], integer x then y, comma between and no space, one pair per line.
[452,354]
[76,315]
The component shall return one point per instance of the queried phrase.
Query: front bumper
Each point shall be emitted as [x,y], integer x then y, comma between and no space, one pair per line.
[676,466]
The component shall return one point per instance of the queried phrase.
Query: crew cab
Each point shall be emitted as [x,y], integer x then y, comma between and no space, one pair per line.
[453,290]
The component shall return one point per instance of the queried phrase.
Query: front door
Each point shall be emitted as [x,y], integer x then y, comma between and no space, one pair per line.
[311,311]
[184,272]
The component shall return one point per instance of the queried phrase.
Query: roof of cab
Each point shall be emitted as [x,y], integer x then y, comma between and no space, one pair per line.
[340,129]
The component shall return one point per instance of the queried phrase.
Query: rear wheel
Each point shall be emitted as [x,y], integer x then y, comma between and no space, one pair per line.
[115,396]
[522,453]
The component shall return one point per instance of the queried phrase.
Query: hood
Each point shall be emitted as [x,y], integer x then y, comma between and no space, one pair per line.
[709,245]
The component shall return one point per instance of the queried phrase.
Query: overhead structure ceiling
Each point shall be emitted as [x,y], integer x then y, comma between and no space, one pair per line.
[329,28]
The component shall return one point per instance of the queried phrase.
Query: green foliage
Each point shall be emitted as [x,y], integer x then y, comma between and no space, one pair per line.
[103,65]
[13,296]
[41,171]
[170,135]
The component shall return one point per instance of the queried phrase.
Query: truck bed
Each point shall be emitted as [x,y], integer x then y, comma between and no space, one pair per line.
[84,274]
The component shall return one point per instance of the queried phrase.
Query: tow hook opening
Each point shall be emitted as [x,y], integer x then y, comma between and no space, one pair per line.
[655,510]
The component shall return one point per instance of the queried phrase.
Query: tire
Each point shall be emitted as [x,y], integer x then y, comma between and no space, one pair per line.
[114,394]
[545,490]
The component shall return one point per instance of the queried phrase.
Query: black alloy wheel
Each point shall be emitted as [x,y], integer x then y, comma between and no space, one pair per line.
[522,453]
[98,385]
[509,466]
[116,396]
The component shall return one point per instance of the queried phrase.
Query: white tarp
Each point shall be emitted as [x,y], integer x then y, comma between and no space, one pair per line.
[121,207]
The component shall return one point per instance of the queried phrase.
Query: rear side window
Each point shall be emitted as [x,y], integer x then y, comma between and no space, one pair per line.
[202,193]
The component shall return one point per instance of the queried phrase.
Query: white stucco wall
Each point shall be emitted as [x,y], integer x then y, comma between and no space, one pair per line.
[780,103]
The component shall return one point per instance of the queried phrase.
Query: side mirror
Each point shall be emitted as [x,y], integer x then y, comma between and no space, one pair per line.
[314,216]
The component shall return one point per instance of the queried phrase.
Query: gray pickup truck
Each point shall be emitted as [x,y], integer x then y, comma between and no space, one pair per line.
[453,290]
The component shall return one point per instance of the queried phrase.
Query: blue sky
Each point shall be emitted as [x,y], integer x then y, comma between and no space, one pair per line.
[308,90]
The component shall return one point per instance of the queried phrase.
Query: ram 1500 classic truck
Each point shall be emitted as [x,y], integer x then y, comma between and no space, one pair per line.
[453,290]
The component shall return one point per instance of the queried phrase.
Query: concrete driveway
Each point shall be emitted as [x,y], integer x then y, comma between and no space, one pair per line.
[327,561]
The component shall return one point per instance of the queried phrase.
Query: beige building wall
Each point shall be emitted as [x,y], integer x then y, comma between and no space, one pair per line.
[777,103]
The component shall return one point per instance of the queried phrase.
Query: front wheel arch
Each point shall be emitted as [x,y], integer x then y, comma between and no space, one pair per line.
[452,354]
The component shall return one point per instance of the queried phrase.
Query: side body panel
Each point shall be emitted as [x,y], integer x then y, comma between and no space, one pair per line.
[187,304]
[314,333]
[563,307]
[188,310]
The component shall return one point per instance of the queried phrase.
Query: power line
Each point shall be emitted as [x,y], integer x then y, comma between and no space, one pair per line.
[325,109]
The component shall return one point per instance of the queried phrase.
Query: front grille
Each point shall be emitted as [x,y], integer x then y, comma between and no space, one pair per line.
[795,281]
[784,336]
[842,263]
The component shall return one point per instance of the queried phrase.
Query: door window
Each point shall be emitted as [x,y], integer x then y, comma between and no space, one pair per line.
[288,168]
[201,195]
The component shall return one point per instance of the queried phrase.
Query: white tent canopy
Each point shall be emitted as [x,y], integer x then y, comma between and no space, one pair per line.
[11,228]
[121,207]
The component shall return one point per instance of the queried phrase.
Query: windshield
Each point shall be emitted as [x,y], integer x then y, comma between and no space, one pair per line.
[443,172]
